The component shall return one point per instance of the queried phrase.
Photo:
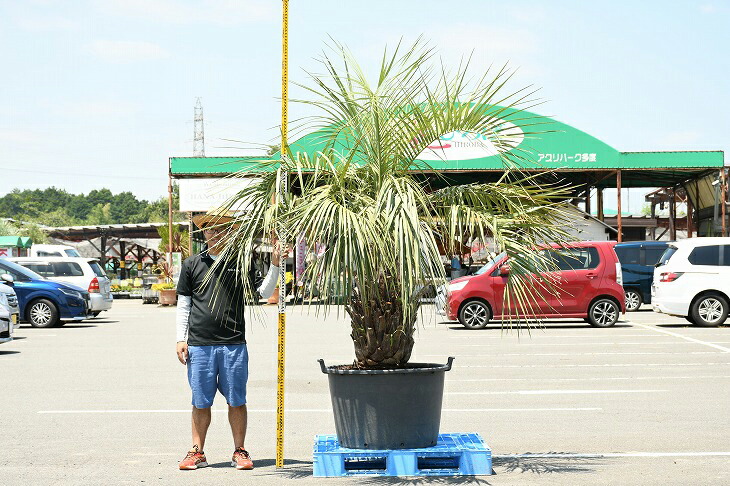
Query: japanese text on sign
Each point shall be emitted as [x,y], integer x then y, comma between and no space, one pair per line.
[567,158]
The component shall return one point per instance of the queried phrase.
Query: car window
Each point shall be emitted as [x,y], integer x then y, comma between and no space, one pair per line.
[18,272]
[490,263]
[67,269]
[71,253]
[652,255]
[48,253]
[705,255]
[97,269]
[43,269]
[576,258]
[666,256]
[628,255]
[725,255]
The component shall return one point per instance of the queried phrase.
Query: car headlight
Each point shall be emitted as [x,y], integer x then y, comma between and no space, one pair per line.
[455,287]
[72,293]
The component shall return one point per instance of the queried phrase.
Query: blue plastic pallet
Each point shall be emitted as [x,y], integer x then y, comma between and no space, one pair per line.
[453,455]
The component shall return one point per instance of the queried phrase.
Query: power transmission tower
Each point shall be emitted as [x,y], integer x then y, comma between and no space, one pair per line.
[198,130]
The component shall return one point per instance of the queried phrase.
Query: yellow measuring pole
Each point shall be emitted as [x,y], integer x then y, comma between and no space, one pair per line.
[282,262]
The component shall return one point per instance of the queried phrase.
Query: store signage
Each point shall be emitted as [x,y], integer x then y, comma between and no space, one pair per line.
[460,145]
[210,193]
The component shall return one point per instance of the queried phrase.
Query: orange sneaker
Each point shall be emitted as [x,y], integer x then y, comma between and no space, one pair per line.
[241,459]
[194,459]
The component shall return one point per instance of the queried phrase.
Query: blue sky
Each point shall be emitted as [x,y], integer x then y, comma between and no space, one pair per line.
[99,93]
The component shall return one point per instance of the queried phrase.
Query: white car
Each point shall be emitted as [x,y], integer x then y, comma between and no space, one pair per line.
[6,326]
[53,251]
[81,272]
[12,300]
[692,280]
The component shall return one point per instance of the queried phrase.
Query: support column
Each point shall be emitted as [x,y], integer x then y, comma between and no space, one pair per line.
[672,216]
[689,214]
[599,202]
[103,251]
[697,208]
[588,200]
[653,216]
[168,250]
[190,233]
[618,203]
[723,208]
[123,259]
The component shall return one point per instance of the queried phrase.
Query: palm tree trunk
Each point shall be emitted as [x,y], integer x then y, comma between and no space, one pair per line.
[380,336]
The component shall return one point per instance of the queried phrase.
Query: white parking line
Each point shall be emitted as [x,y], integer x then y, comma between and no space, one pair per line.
[321,410]
[599,455]
[607,353]
[604,365]
[670,333]
[542,335]
[593,378]
[580,344]
[554,392]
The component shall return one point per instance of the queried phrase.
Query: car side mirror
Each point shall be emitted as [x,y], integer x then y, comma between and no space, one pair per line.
[504,270]
[8,279]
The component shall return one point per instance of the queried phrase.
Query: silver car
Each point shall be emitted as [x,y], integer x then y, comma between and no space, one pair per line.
[12,302]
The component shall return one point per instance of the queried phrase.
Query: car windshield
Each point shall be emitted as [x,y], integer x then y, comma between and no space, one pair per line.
[490,264]
[72,253]
[666,255]
[15,269]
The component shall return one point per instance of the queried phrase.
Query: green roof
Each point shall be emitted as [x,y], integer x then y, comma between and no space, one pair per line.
[10,241]
[562,148]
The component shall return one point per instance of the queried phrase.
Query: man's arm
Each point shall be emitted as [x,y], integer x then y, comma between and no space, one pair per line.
[182,323]
[267,287]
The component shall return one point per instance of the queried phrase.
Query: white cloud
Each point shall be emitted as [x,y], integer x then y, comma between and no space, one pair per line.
[221,12]
[127,51]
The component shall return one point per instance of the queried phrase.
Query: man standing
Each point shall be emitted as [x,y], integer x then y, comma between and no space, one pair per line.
[211,339]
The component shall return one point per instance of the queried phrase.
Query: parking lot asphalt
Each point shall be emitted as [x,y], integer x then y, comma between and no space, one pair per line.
[105,401]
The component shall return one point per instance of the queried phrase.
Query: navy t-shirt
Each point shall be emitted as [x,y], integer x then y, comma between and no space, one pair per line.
[217,313]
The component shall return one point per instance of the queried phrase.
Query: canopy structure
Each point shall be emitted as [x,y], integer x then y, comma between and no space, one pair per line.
[529,143]
[16,241]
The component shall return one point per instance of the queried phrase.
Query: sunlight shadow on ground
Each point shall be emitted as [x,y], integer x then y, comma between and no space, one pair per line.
[548,465]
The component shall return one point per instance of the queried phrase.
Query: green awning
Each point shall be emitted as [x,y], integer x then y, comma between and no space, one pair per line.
[579,157]
[13,241]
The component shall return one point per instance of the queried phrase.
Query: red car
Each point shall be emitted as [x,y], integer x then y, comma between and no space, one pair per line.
[587,283]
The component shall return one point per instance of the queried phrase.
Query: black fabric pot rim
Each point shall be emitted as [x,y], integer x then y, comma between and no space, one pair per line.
[414,368]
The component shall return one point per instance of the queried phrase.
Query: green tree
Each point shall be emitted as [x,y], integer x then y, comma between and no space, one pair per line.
[100,214]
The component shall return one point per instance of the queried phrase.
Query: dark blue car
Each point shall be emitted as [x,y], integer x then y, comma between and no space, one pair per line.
[44,303]
[637,264]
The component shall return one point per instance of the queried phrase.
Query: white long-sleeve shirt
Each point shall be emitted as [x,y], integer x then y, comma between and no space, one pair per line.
[185,302]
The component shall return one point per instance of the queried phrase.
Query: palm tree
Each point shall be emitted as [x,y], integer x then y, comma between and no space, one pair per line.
[376,207]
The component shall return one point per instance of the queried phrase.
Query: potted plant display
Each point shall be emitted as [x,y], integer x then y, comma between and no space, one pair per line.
[368,199]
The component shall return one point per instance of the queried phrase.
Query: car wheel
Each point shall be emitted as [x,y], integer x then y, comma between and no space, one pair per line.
[633,300]
[709,310]
[603,313]
[43,313]
[474,315]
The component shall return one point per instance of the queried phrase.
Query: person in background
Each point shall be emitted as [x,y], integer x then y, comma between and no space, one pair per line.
[211,339]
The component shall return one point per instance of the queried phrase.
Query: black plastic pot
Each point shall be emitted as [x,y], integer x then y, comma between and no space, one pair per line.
[387,409]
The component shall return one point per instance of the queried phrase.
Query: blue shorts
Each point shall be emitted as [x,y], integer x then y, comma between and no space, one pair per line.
[220,367]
